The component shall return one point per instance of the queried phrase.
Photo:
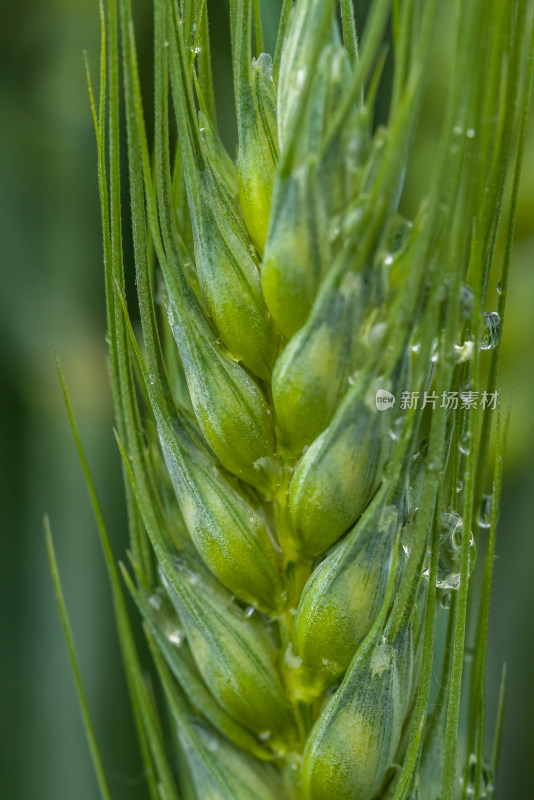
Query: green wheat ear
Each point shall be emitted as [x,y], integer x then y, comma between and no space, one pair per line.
[296,545]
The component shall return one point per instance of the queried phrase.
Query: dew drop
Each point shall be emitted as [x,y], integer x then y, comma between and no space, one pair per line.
[467,302]
[470,133]
[499,288]
[382,658]
[434,465]
[155,600]
[187,573]
[434,355]
[300,77]
[176,637]
[487,779]
[457,130]
[464,445]
[334,232]
[396,429]
[459,486]
[492,331]
[450,551]
[249,611]
[264,736]
[469,652]
[484,514]
[376,334]
[445,600]
[211,741]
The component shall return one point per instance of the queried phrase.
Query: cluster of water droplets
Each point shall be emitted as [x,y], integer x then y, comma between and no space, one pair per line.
[459,131]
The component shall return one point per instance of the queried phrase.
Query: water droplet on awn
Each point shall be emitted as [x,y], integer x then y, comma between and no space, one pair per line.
[176,637]
[396,429]
[492,331]
[467,301]
[464,445]
[450,550]
[487,781]
[155,601]
[484,515]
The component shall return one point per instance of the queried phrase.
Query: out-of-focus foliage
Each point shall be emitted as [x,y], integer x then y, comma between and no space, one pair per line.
[52,298]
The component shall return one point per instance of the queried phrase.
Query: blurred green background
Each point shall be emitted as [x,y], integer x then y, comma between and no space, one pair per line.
[52,299]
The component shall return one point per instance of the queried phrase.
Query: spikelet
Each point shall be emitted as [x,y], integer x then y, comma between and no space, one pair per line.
[286,499]
[233,654]
[337,476]
[312,191]
[341,600]
[355,739]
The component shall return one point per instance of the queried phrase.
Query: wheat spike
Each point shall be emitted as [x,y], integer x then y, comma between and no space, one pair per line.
[292,415]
